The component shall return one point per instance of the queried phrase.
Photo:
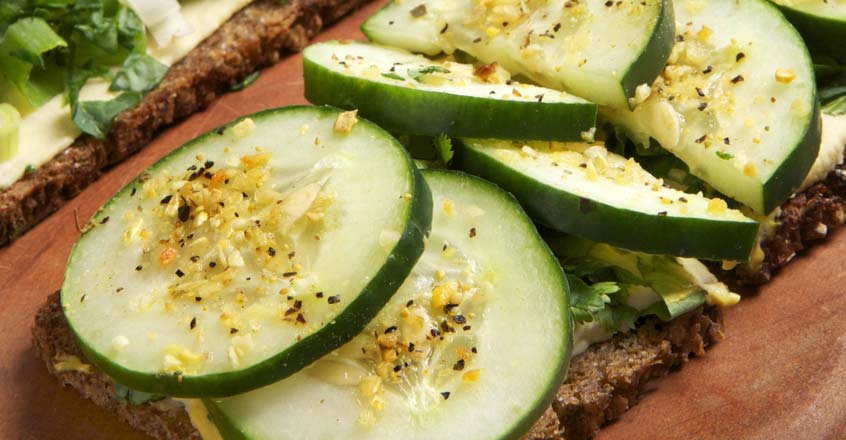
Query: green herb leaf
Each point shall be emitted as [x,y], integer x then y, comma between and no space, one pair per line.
[585,301]
[443,146]
[140,73]
[248,81]
[29,169]
[393,75]
[417,74]
[95,117]
[723,155]
[134,397]
[22,50]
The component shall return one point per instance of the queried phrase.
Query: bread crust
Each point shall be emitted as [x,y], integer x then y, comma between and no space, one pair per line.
[601,384]
[253,38]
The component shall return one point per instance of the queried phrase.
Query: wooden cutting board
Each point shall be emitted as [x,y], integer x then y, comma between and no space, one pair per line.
[780,374]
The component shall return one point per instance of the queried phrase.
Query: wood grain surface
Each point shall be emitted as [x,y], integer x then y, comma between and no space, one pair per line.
[780,374]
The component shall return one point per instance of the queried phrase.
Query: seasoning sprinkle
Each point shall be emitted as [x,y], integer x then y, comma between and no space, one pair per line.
[166,199]
[233,330]
[445,395]
[335,299]
[459,365]
[472,232]
[180,273]
[193,323]
[271,251]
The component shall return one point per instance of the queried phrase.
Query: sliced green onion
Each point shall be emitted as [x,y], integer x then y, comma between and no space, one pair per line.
[10,125]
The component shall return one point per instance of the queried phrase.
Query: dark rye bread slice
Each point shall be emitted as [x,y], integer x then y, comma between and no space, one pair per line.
[806,218]
[253,38]
[602,382]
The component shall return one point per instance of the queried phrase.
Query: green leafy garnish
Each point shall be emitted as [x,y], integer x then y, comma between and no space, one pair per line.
[140,73]
[723,155]
[603,279]
[52,46]
[23,49]
[443,146]
[417,74]
[29,169]
[393,75]
[134,397]
[248,81]
[95,117]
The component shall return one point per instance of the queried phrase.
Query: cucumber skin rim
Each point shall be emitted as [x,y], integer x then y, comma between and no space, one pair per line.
[230,431]
[572,214]
[776,190]
[823,35]
[347,324]
[653,58]
[402,109]
[792,172]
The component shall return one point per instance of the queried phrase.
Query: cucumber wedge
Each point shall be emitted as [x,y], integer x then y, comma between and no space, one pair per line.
[583,189]
[247,253]
[600,51]
[737,102]
[412,94]
[475,343]
[822,24]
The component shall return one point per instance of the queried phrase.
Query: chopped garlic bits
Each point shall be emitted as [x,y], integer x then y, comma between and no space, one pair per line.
[422,345]
[215,223]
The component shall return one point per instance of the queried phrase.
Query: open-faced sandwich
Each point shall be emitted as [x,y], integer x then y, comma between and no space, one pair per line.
[295,275]
[84,85]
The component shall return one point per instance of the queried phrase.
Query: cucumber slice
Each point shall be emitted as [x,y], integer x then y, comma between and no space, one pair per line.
[822,24]
[600,51]
[412,94]
[201,276]
[583,189]
[484,262]
[737,102]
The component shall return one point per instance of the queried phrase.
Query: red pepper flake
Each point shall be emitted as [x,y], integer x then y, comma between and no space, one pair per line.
[298,304]
[301,318]
[458,365]
[193,323]
[290,311]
